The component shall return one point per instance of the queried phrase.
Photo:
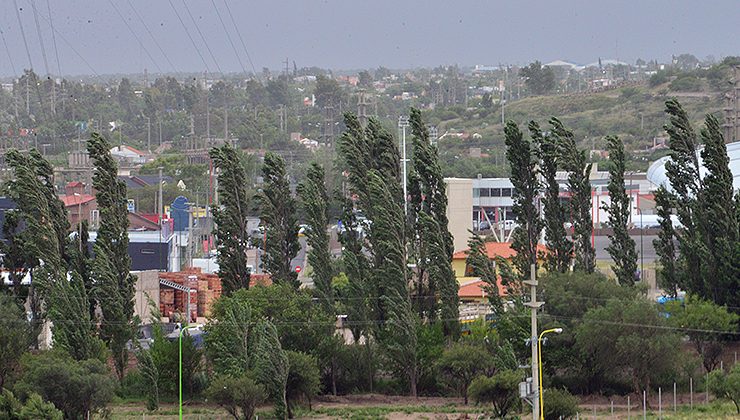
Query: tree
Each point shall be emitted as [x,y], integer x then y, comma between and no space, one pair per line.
[277,214]
[232,235]
[315,203]
[328,92]
[704,323]
[15,337]
[114,284]
[665,247]
[17,259]
[74,387]
[574,161]
[561,249]
[499,390]
[726,385]
[524,178]
[461,363]
[559,404]
[228,340]
[239,396]
[434,245]
[481,266]
[622,247]
[272,366]
[34,409]
[303,379]
[538,78]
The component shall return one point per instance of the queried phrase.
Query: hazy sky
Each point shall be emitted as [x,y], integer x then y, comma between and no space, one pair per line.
[348,34]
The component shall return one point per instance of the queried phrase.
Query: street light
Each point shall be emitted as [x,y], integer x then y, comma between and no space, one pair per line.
[403,122]
[539,360]
[182,328]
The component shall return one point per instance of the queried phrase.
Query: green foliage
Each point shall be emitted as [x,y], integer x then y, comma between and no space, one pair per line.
[16,336]
[500,390]
[34,409]
[481,266]
[664,245]
[114,284]
[315,203]
[239,396]
[165,358]
[524,178]
[559,404]
[622,246]
[574,161]
[539,79]
[561,249]
[272,367]
[461,362]
[277,214]
[704,322]
[726,385]
[74,387]
[227,337]
[304,379]
[230,216]
[686,83]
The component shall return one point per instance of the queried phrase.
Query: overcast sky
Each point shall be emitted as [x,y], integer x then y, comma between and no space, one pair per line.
[348,34]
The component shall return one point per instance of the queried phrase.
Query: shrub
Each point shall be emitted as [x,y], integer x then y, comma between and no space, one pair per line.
[239,396]
[726,385]
[559,403]
[500,390]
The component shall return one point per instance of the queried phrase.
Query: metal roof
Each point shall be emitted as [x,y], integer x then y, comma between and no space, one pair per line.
[657,174]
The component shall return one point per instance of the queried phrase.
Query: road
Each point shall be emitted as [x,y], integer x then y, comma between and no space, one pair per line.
[601,242]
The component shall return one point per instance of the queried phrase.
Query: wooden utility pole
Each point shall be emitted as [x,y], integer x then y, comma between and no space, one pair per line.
[534,305]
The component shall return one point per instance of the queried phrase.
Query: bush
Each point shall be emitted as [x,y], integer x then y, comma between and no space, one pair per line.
[726,385]
[303,378]
[35,408]
[500,390]
[559,403]
[686,84]
[239,396]
[132,386]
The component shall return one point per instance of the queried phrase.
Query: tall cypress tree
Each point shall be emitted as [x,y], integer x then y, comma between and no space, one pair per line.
[560,248]
[315,202]
[431,237]
[622,247]
[524,173]
[277,213]
[664,245]
[574,161]
[232,235]
[482,266]
[114,284]
[717,221]
[271,366]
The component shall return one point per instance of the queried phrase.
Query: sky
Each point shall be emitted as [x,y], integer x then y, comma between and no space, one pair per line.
[127,36]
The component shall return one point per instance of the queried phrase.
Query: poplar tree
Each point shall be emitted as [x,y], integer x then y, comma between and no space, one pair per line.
[579,185]
[277,214]
[560,248]
[524,173]
[481,266]
[664,245]
[622,246]
[315,202]
[114,284]
[230,217]
[271,366]
[432,240]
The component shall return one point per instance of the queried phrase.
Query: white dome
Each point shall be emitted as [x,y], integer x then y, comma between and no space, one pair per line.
[657,175]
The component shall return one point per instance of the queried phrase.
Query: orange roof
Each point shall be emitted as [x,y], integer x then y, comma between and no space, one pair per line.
[75,200]
[496,249]
[475,289]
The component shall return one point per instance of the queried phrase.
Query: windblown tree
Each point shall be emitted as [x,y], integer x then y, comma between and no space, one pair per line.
[277,214]
[622,247]
[271,366]
[524,173]
[114,284]
[230,216]
[17,259]
[481,266]
[574,161]
[560,248]
[664,245]
[433,242]
[315,202]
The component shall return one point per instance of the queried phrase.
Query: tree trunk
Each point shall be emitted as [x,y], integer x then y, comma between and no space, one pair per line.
[412,379]
[334,376]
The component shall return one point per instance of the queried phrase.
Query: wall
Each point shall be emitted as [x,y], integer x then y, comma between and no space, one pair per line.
[147,287]
[459,210]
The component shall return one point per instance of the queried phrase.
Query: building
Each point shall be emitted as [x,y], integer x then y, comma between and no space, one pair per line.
[80,205]
[128,154]
[494,250]
[657,174]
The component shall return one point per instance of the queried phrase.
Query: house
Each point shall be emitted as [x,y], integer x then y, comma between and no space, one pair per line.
[135,182]
[80,205]
[128,154]
[493,250]
[473,291]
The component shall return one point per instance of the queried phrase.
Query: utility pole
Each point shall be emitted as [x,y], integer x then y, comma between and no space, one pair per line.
[534,305]
[149,134]
[226,124]
[160,132]
[160,211]
[208,118]
[403,122]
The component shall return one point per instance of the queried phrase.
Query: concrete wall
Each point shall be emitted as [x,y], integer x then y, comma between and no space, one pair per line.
[459,210]
[147,287]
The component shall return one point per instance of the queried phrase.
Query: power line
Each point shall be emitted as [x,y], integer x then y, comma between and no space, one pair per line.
[74,50]
[41,38]
[244,46]
[197,28]
[228,36]
[159,47]
[10,56]
[141,44]
[23,33]
[53,38]
[192,41]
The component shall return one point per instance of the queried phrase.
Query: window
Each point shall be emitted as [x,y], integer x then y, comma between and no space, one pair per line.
[485,192]
[476,192]
[506,192]
[495,192]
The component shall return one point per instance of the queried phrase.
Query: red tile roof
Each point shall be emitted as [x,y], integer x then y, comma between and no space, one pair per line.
[75,200]
[496,249]
[475,290]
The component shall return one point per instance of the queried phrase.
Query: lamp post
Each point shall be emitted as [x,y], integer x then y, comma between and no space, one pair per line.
[642,254]
[182,328]
[539,358]
[403,122]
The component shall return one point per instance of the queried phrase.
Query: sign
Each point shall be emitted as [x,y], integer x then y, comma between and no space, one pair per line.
[298,269]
